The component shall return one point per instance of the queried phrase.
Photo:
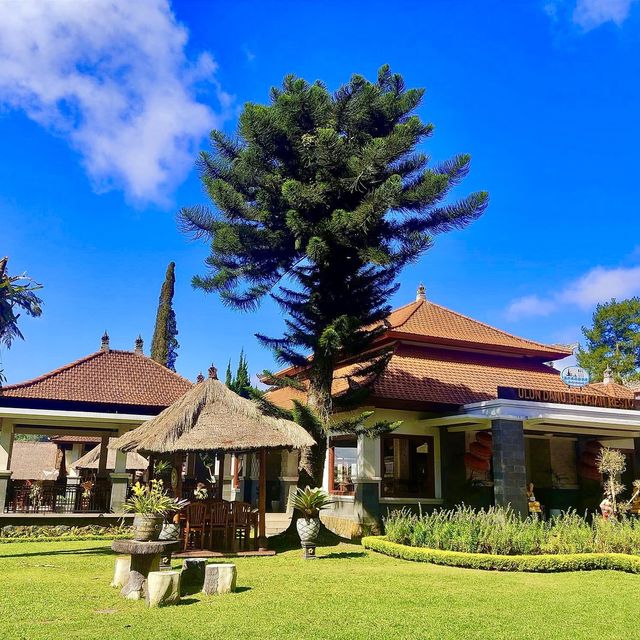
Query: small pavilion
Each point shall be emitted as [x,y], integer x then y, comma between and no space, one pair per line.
[211,418]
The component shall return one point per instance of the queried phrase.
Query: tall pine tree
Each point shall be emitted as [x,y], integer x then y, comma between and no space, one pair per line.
[164,346]
[320,200]
[241,382]
[613,341]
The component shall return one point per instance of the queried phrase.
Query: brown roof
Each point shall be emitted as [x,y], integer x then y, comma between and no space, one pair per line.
[76,439]
[427,321]
[35,461]
[91,460]
[612,389]
[109,377]
[426,375]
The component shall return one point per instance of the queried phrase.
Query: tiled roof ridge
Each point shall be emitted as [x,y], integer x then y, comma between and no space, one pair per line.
[157,364]
[414,303]
[511,335]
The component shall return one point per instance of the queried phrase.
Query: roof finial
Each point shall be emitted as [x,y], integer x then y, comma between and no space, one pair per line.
[608,376]
[139,348]
[421,294]
[200,378]
[213,373]
[104,344]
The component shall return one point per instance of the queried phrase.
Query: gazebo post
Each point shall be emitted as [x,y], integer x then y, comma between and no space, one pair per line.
[220,474]
[262,502]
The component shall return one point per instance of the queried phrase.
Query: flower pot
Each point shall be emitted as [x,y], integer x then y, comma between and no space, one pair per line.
[308,529]
[170,531]
[147,527]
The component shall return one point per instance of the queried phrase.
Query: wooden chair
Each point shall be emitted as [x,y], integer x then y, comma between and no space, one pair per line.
[219,517]
[196,520]
[242,521]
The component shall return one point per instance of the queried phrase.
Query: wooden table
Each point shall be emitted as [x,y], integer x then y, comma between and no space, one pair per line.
[145,557]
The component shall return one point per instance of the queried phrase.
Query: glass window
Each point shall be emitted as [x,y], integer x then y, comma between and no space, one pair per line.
[343,457]
[407,466]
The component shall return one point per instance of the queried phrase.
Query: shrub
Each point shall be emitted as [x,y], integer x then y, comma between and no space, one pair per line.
[501,531]
[546,563]
[48,533]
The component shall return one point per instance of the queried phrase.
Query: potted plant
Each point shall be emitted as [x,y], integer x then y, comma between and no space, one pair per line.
[150,505]
[309,502]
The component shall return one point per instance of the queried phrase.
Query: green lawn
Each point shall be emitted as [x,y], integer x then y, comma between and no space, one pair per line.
[61,590]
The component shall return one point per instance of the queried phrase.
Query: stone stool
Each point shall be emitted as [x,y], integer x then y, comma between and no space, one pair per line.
[219,578]
[193,570]
[121,573]
[163,588]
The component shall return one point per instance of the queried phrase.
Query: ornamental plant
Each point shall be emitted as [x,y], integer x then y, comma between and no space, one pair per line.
[310,501]
[152,500]
[612,464]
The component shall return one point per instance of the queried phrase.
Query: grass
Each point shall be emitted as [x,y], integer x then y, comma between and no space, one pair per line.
[60,590]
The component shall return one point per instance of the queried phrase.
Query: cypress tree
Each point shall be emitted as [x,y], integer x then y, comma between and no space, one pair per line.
[164,345]
[320,200]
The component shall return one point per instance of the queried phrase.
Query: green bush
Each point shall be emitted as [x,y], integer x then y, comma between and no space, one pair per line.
[51,533]
[546,563]
[501,531]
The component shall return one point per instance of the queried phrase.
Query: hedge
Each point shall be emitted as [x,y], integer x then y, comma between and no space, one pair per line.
[69,538]
[547,563]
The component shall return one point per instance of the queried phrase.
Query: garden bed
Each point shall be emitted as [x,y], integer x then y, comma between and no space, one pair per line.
[544,563]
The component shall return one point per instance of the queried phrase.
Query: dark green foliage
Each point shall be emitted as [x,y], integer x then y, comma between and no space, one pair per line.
[17,293]
[241,382]
[320,200]
[541,564]
[164,346]
[613,341]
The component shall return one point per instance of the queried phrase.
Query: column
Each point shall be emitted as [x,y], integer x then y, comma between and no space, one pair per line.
[366,508]
[119,482]
[6,445]
[102,460]
[288,478]
[262,502]
[509,467]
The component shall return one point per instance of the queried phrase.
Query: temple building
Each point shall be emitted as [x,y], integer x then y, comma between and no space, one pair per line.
[483,414]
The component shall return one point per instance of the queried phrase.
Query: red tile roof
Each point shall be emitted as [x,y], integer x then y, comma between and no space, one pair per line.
[106,376]
[422,375]
[427,321]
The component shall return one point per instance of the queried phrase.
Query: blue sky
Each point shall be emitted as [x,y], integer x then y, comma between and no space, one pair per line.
[102,109]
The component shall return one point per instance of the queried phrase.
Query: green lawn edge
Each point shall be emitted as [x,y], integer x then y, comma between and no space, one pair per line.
[548,563]
[63,538]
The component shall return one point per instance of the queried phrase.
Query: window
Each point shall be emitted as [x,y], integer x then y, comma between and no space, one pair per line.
[343,458]
[407,466]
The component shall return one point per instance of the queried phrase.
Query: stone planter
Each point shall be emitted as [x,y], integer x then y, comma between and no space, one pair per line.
[308,530]
[147,527]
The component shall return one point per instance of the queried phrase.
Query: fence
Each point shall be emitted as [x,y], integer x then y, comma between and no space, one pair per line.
[58,499]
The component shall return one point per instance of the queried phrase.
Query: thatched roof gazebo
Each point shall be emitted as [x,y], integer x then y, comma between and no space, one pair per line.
[211,417]
[91,460]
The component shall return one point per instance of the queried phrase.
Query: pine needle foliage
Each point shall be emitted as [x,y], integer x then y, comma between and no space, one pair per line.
[320,200]
[164,345]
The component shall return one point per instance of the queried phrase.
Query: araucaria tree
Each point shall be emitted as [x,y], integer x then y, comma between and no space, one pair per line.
[613,341]
[320,200]
[164,345]
[17,293]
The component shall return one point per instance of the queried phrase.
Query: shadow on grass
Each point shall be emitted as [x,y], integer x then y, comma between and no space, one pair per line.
[343,554]
[59,552]
[290,541]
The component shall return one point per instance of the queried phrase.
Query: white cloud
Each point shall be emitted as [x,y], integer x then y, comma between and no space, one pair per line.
[590,14]
[597,285]
[113,78]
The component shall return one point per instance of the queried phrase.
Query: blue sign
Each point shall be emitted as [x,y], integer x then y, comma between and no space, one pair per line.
[575,377]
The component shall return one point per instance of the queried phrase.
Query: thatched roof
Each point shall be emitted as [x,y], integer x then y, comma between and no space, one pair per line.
[35,461]
[211,417]
[91,460]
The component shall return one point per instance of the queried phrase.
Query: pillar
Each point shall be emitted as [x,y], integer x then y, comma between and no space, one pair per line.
[262,501]
[119,483]
[6,445]
[102,460]
[509,467]
[220,481]
[366,508]
[288,478]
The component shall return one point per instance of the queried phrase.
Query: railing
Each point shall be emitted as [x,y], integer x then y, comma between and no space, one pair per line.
[70,499]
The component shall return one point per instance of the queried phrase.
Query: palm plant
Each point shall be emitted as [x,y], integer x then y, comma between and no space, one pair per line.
[311,501]
[152,500]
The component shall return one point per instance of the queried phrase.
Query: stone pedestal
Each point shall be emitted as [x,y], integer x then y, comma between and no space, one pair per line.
[219,578]
[145,558]
[121,572]
[119,486]
[509,466]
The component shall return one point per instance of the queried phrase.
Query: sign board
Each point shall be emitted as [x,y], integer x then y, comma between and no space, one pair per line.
[575,376]
[566,397]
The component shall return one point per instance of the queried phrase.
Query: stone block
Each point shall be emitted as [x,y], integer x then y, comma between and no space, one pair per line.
[163,588]
[219,578]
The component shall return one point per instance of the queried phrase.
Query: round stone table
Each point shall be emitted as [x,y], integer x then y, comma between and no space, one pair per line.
[145,557]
